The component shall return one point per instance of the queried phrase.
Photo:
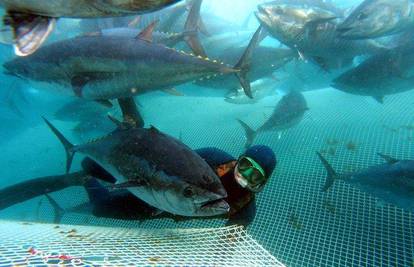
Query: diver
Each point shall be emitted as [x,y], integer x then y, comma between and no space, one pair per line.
[242,178]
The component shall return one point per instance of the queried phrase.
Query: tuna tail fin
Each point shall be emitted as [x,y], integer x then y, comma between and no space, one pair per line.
[250,133]
[69,148]
[243,66]
[331,174]
[59,211]
[192,27]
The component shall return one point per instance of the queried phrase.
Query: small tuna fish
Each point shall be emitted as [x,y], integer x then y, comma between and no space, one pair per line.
[260,89]
[287,113]
[391,182]
[386,73]
[378,18]
[33,21]
[156,168]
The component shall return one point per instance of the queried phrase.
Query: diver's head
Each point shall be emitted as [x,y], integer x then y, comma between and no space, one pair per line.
[255,167]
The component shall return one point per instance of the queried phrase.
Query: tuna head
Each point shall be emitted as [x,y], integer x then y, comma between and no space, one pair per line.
[201,199]
[29,68]
[376,18]
[18,68]
[288,21]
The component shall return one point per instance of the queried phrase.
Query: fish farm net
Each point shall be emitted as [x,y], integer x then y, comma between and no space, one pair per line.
[296,222]
[41,244]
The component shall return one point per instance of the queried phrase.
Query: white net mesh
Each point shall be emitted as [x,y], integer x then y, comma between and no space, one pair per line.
[295,221]
[39,244]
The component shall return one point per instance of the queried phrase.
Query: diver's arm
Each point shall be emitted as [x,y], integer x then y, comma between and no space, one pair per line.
[32,188]
[214,156]
[245,216]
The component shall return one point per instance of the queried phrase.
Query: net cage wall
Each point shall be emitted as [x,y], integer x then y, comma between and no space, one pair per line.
[296,223]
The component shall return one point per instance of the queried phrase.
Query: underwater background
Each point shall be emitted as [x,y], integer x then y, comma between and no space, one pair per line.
[296,222]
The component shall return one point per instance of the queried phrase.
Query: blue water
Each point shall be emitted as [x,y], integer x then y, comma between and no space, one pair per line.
[295,221]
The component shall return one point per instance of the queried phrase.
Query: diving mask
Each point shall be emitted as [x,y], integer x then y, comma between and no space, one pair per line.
[252,175]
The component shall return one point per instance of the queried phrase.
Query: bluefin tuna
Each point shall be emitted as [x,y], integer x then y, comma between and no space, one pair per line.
[391,182]
[105,67]
[157,168]
[288,112]
[32,21]
[312,33]
[378,18]
[384,74]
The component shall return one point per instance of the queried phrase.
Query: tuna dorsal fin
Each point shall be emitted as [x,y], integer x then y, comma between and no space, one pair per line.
[29,31]
[245,61]
[69,148]
[146,33]
[153,129]
[388,159]
[192,26]
[59,211]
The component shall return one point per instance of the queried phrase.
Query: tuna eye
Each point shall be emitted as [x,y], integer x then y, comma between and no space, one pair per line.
[188,191]
[362,16]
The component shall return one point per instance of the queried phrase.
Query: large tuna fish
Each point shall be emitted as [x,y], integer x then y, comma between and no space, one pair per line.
[156,168]
[33,20]
[312,32]
[384,74]
[105,67]
[377,18]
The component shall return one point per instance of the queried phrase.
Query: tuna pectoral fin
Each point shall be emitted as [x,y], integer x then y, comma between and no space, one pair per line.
[59,211]
[250,133]
[191,27]
[69,148]
[29,31]
[129,184]
[130,112]
[331,174]
[245,61]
